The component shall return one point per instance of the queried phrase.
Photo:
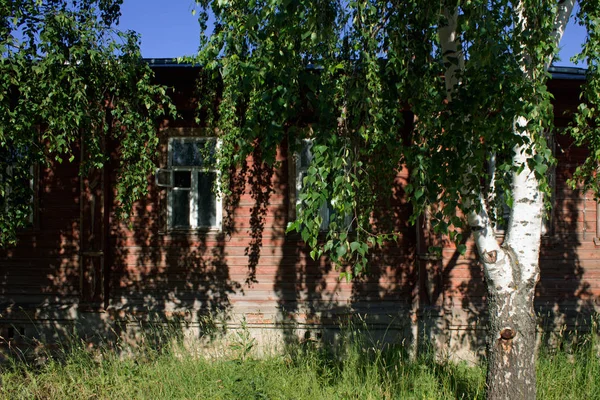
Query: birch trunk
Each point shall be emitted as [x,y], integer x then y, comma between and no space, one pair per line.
[512,277]
[511,274]
[511,342]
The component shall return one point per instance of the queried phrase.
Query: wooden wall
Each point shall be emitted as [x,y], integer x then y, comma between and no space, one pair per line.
[75,261]
[251,269]
[40,278]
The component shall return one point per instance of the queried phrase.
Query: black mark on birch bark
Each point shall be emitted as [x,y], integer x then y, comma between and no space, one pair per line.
[507,333]
[491,257]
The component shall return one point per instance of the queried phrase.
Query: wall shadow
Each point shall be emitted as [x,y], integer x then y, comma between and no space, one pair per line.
[315,306]
[40,277]
[159,277]
[565,297]
[259,178]
[386,298]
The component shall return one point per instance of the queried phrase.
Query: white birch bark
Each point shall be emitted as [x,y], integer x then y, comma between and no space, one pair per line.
[511,342]
[525,226]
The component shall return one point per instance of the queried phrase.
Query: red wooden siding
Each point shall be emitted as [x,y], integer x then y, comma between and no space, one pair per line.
[251,269]
[74,261]
[39,279]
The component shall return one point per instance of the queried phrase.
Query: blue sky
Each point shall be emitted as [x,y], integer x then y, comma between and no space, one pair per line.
[169,29]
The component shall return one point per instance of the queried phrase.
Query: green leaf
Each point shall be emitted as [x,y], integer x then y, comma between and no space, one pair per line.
[419,193]
[541,168]
[341,251]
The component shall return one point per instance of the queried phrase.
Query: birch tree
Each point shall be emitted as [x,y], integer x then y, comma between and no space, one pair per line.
[70,78]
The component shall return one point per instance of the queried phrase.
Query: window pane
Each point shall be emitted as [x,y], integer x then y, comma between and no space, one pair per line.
[207,199]
[189,152]
[183,179]
[181,208]
[326,212]
[306,154]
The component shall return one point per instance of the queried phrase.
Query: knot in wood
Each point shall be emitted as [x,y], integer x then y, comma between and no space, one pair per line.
[490,256]
[507,333]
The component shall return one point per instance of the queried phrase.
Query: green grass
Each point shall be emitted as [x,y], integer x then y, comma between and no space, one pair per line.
[570,373]
[304,372]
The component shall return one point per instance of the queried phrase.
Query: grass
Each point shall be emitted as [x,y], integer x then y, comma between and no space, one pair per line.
[570,370]
[304,372]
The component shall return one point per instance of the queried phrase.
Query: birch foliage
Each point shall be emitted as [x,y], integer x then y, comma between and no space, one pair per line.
[69,78]
[352,74]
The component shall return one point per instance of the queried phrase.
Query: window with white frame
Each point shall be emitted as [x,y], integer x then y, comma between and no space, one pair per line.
[193,201]
[304,158]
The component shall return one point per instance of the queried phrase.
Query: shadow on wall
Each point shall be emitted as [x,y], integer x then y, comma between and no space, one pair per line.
[40,278]
[159,276]
[386,297]
[306,290]
[260,185]
[566,298]
[314,304]
[200,278]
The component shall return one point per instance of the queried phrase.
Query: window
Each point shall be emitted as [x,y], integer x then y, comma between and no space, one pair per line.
[303,160]
[191,179]
[18,180]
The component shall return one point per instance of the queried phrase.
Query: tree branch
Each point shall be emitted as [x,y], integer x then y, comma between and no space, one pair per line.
[454,59]
[565,8]
[490,253]
[525,228]
[384,22]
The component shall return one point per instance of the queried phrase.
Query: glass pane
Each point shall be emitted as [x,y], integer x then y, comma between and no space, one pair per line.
[306,153]
[207,199]
[181,208]
[190,152]
[183,179]
[326,212]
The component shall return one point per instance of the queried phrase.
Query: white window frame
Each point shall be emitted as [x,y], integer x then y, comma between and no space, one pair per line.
[324,211]
[194,192]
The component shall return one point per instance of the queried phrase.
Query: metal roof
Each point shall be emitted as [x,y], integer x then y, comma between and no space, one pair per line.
[573,73]
[168,63]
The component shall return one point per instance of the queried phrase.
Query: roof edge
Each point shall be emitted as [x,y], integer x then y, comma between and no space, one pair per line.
[557,72]
[572,73]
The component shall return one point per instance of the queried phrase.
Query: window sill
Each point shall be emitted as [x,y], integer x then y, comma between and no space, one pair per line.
[199,232]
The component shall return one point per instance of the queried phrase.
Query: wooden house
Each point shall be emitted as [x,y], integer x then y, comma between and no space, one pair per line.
[209,263]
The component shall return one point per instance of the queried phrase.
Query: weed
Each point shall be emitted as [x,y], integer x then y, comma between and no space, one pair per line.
[243,342]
